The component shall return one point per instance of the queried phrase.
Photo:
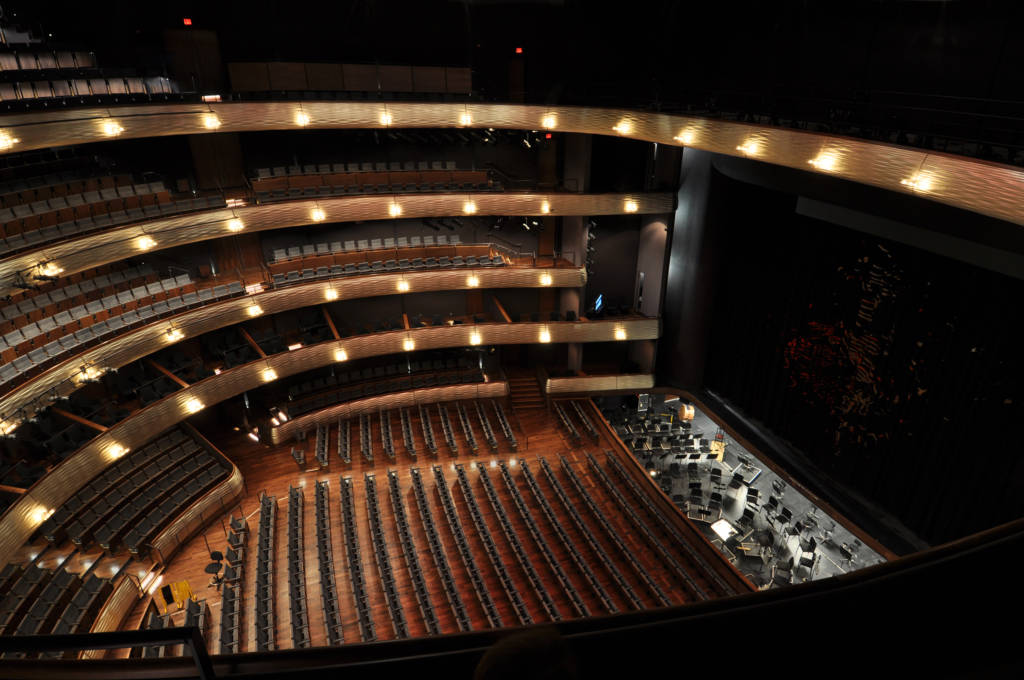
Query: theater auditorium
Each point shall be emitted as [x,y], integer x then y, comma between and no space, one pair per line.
[510,338]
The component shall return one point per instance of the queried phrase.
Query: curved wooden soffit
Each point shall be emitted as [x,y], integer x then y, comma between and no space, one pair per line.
[987,188]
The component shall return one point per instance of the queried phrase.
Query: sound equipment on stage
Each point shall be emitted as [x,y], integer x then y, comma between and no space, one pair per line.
[643,403]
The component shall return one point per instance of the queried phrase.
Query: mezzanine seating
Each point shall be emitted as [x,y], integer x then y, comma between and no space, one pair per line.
[299,252]
[365,178]
[438,553]
[380,551]
[355,565]
[507,584]
[468,560]
[409,554]
[325,560]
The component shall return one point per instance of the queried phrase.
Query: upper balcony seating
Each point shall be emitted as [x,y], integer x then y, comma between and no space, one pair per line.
[339,179]
[100,88]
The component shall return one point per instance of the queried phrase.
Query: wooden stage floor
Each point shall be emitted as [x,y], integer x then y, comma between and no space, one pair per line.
[272,470]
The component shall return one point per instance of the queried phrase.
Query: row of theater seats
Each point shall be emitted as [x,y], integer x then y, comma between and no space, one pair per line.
[380,553]
[116,302]
[297,571]
[484,533]
[379,266]
[342,183]
[566,422]
[409,555]
[365,440]
[467,429]
[265,588]
[299,456]
[359,245]
[77,220]
[40,601]
[670,530]
[447,430]
[437,552]
[328,168]
[102,498]
[581,564]
[41,202]
[423,378]
[506,428]
[610,534]
[344,439]
[325,560]
[509,531]
[70,330]
[46,60]
[588,425]
[485,424]
[322,433]
[115,87]
[367,633]
[231,591]
[681,574]
[197,614]
[462,545]
[407,437]
[46,299]
[386,440]
[428,430]
[533,529]
[31,195]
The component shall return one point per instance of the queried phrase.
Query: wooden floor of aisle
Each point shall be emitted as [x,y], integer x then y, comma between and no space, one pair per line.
[272,470]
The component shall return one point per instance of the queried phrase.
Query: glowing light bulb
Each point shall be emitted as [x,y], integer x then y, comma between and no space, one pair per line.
[394,210]
[6,141]
[474,338]
[620,333]
[111,128]
[469,207]
[269,375]
[235,225]
[302,118]
[254,310]
[403,286]
[473,281]
[318,215]
[918,182]
[211,121]
[685,137]
[174,334]
[386,118]
[193,405]
[331,294]
[826,161]
[549,121]
[631,206]
[545,207]
[545,336]
[623,127]
[50,269]
[465,119]
[751,147]
[145,243]
[340,355]
[116,450]
[545,279]
[408,344]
